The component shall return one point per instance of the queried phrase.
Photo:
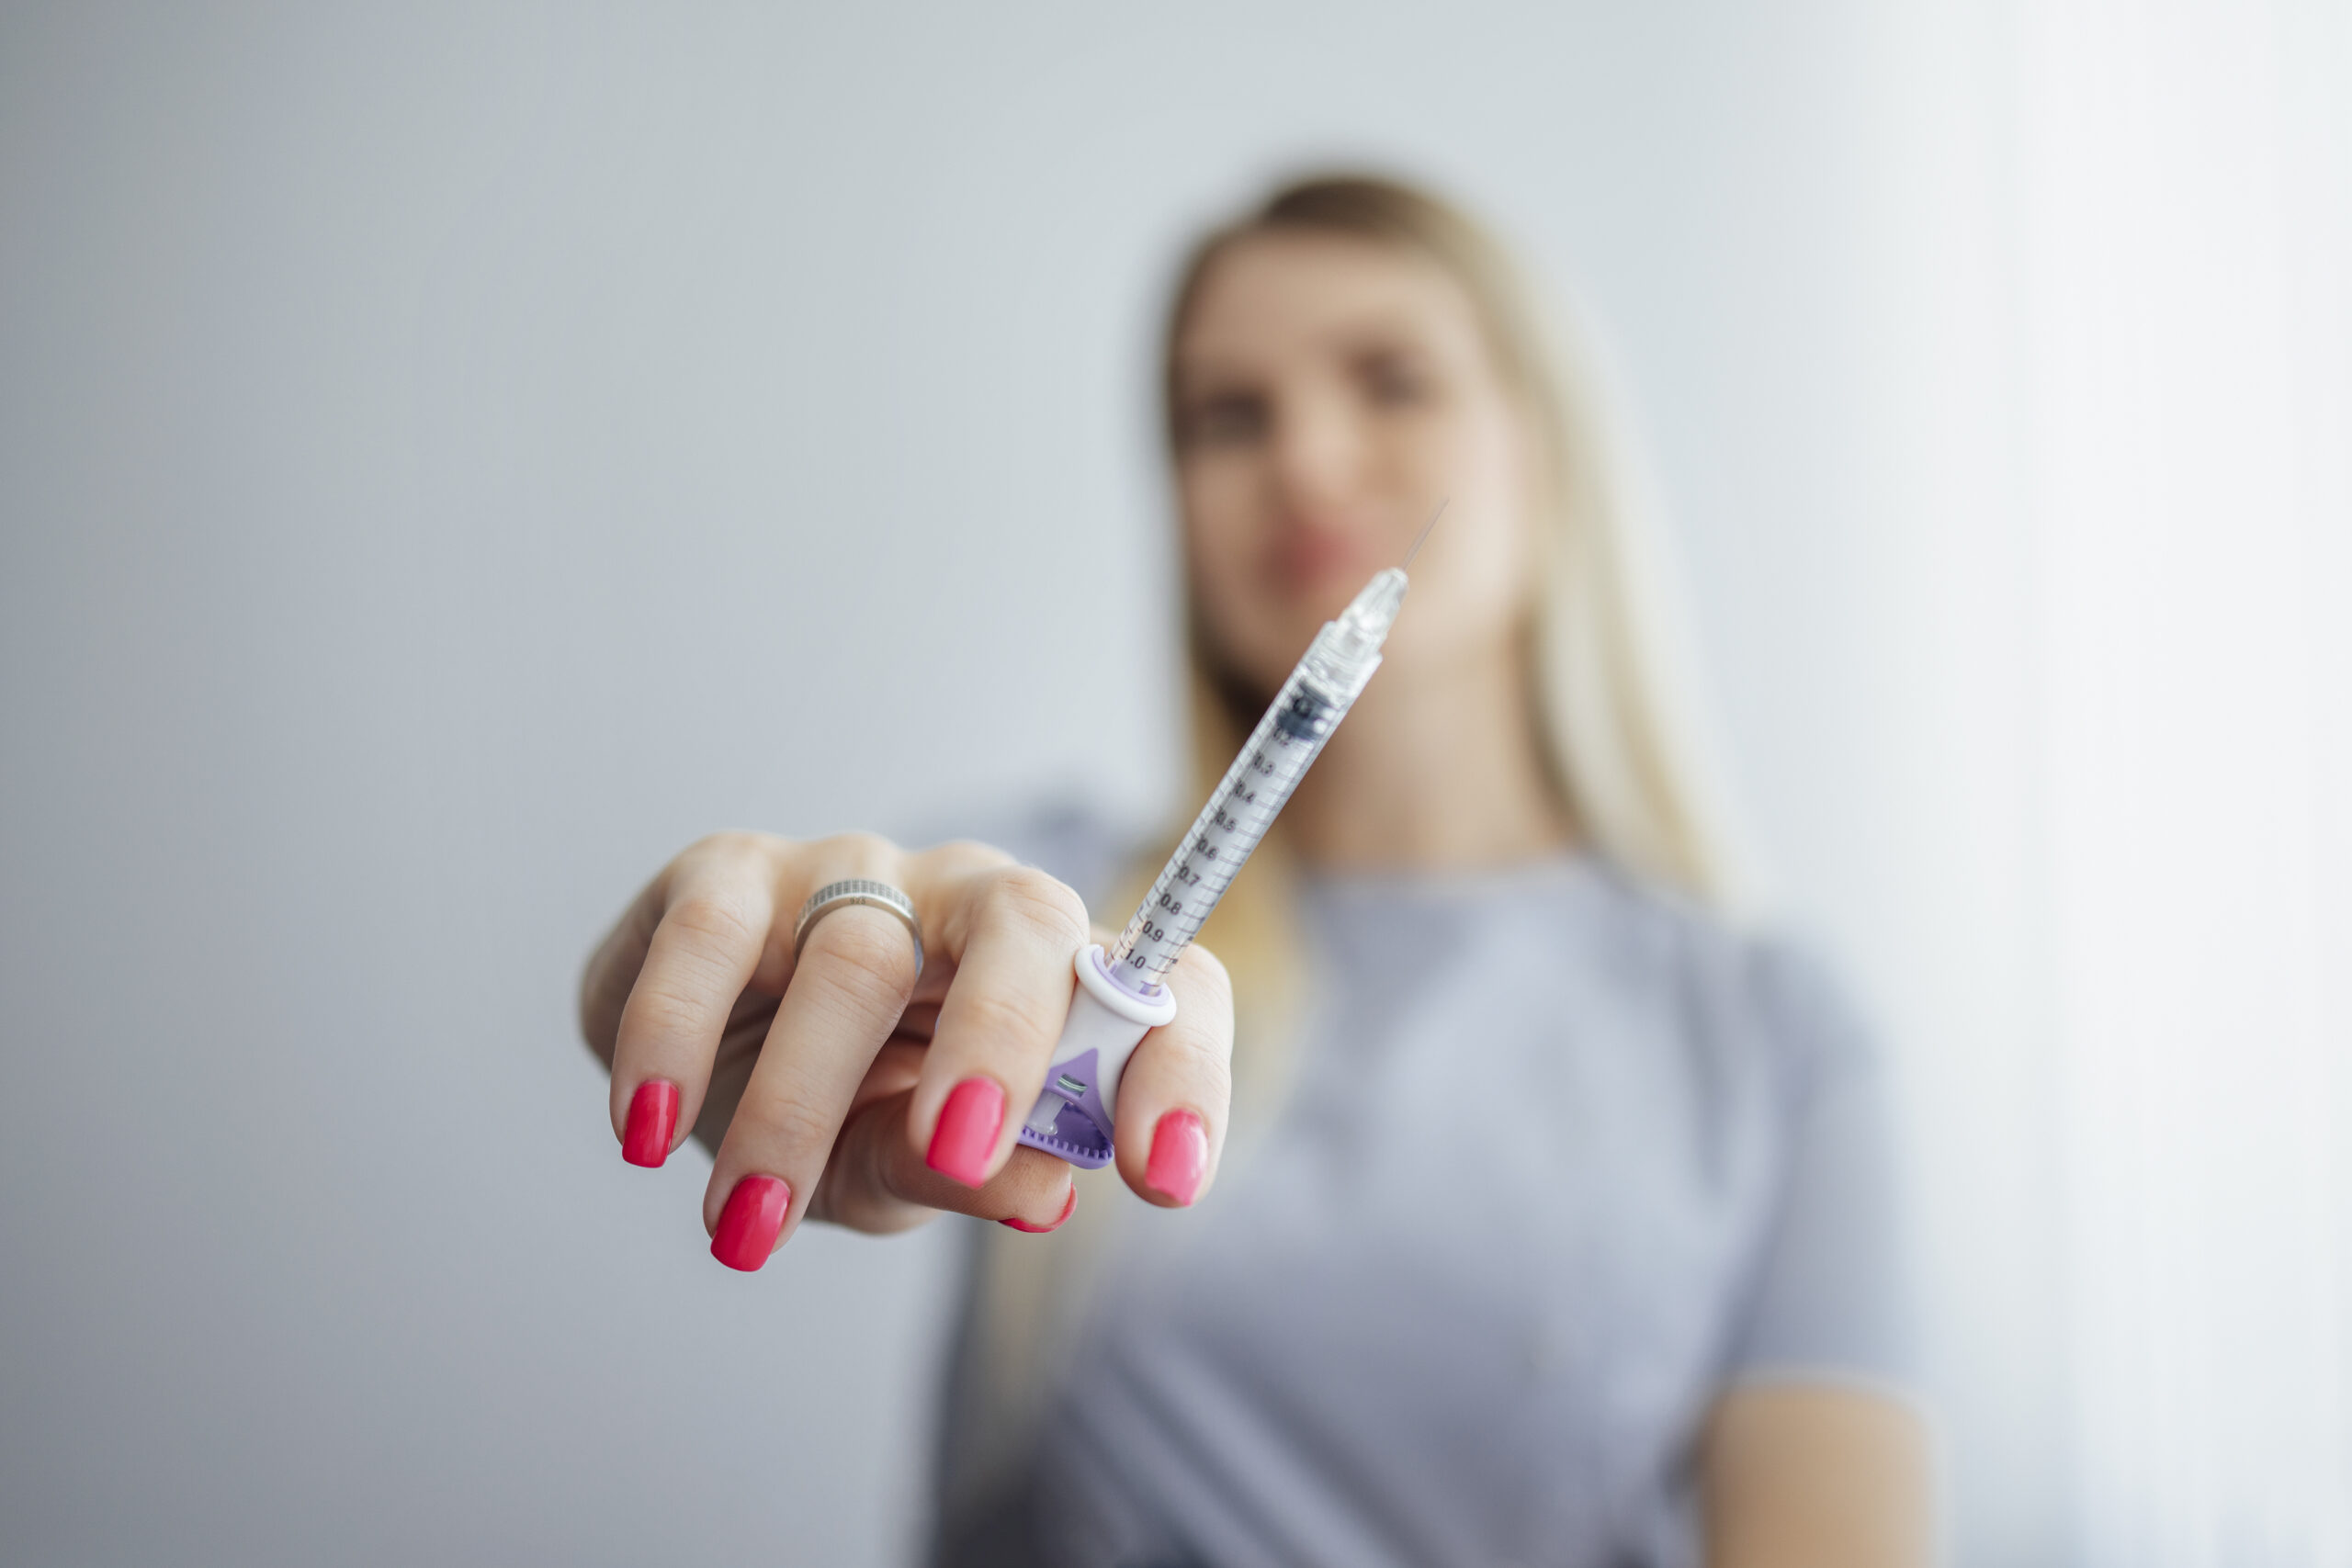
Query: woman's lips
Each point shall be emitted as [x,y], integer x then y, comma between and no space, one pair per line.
[1306,562]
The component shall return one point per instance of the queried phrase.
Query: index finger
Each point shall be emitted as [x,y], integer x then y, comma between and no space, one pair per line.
[717,908]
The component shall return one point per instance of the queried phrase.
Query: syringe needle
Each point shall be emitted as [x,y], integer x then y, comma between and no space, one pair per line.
[1424,533]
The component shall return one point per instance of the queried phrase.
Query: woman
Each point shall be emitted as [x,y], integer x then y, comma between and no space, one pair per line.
[1556,1226]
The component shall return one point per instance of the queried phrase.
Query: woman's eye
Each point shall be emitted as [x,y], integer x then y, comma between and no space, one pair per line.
[1391,383]
[1228,420]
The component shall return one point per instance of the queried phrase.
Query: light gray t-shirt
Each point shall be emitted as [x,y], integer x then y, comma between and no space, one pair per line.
[1564,1158]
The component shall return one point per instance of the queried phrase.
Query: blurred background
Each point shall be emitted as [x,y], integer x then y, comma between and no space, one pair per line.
[450,458]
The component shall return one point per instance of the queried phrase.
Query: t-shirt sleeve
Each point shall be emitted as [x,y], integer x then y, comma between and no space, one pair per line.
[1830,1293]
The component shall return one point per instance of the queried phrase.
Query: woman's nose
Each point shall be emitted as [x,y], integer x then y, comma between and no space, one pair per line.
[1319,454]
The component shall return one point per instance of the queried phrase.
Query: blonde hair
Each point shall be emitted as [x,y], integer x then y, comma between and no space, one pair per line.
[1612,708]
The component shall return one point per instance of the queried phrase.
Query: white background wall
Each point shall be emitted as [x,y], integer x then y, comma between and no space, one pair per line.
[449,460]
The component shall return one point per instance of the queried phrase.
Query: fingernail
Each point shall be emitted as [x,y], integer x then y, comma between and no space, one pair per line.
[1070,1207]
[653,1118]
[966,1136]
[748,1225]
[1179,1157]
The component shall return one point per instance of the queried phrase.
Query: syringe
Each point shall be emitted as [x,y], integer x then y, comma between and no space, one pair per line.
[1120,997]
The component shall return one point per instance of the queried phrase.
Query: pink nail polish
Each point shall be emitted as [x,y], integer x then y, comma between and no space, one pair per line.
[1179,1157]
[1070,1207]
[653,1118]
[966,1136]
[748,1225]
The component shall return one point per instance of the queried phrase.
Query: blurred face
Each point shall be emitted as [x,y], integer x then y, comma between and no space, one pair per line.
[1330,391]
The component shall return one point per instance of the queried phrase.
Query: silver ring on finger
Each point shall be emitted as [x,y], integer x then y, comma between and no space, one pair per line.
[858,890]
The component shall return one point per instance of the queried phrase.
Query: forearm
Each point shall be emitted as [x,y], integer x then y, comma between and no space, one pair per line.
[1812,1475]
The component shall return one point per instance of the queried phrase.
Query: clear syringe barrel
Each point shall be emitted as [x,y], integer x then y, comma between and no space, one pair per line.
[1243,805]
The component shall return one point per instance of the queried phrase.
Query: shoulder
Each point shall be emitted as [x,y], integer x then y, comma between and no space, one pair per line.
[1756,989]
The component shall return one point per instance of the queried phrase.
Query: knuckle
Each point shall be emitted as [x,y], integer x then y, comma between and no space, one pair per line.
[732,847]
[1205,1086]
[1209,1084]
[1199,1053]
[1024,893]
[867,850]
[718,921]
[952,864]
[993,1016]
[1207,972]
[663,1009]
[866,955]
[796,1124]
[971,853]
